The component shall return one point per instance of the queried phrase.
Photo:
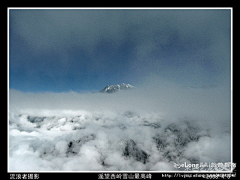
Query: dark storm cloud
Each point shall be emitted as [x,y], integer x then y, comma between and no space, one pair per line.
[174,42]
[86,28]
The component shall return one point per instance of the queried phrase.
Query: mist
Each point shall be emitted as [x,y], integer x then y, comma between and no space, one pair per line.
[148,128]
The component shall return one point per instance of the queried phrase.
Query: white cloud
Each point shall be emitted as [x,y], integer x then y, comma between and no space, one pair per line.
[211,149]
[162,166]
[148,128]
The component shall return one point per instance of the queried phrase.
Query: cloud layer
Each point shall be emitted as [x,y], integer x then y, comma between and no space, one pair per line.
[146,129]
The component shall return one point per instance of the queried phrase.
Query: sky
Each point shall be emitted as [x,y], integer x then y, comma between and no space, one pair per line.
[83,50]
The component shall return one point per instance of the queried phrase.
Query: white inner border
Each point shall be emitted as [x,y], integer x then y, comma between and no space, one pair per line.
[230,8]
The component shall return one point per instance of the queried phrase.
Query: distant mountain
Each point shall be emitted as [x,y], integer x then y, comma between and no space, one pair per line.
[115,88]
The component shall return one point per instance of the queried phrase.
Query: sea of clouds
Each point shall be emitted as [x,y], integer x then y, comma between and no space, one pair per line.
[148,128]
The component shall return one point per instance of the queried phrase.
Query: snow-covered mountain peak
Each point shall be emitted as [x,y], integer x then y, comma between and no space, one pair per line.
[115,88]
